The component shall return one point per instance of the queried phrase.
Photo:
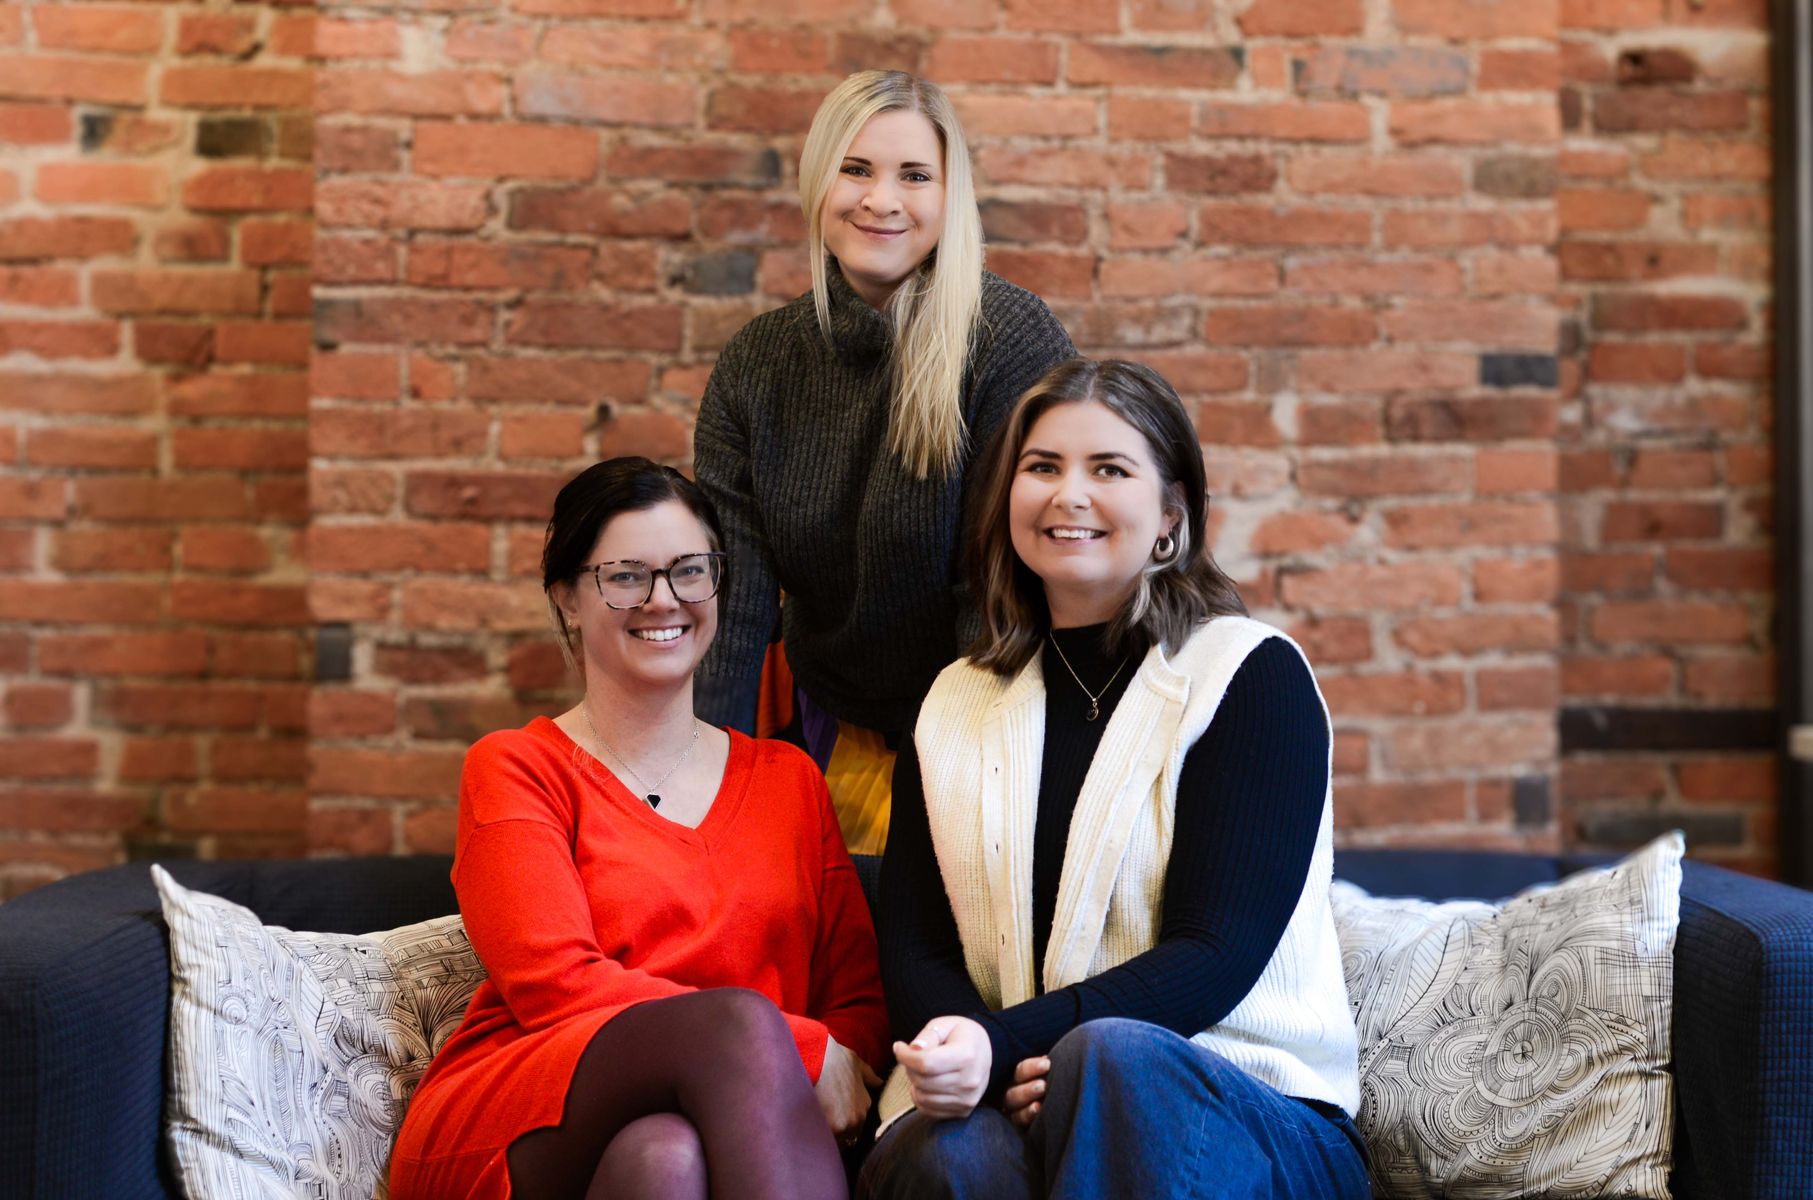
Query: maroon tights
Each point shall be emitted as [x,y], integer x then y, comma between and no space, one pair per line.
[695,1096]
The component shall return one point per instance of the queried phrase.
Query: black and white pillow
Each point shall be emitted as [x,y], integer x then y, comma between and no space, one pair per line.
[293,1055]
[1522,1049]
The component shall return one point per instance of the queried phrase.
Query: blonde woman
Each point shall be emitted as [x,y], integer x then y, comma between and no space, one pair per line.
[836,435]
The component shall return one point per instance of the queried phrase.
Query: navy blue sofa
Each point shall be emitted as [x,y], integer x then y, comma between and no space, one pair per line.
[84,992]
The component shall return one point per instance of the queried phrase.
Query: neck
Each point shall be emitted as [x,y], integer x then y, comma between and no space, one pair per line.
[1070,610]
[638,722]
[875,296]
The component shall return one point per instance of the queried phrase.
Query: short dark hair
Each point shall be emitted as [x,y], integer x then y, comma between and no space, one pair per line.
[594,498]
[1173,597]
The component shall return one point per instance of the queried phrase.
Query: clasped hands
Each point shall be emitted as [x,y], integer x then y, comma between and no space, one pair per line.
[948,1064]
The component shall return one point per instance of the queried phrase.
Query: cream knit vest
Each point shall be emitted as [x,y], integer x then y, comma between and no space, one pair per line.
[980,740]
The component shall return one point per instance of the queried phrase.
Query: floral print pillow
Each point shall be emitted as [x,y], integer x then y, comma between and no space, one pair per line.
[1522,1049]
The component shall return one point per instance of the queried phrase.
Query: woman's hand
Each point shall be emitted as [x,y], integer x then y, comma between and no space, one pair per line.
[843,1089]
[948,1064]
[1027,1094]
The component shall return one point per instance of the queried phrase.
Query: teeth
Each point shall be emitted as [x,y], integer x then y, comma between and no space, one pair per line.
[656,635]
[1075,535]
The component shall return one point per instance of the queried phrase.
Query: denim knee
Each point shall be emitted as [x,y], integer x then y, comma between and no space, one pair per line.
[981,1155]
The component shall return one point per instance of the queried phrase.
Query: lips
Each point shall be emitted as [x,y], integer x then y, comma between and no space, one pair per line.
[1074,533]
[874,231]
[660,636]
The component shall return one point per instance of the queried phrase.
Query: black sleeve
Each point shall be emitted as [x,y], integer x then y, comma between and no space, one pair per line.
[922,970]
[726,689]
[1249,808]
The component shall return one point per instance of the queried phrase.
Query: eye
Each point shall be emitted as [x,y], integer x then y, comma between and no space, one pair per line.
[689,570]
[1040,467]
[1112,471]
[626,575]
[853,169]
[918,177]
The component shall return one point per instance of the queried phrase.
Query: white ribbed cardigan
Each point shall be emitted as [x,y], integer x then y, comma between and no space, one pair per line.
[980,740]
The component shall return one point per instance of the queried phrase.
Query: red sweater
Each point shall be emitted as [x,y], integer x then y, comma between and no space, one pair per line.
[581,901]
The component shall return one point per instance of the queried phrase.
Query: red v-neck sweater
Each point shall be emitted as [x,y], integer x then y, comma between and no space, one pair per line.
[581,901]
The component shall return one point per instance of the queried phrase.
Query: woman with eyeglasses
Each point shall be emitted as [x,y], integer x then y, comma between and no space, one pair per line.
[836,437]
[683,996]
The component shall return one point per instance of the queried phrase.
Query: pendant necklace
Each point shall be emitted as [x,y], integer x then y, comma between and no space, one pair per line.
[1095,698]
[650,793]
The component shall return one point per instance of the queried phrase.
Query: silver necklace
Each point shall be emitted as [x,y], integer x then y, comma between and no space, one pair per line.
[1095,698]
[650,793]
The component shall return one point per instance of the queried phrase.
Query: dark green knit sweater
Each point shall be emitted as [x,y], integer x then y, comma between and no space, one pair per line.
[792,447]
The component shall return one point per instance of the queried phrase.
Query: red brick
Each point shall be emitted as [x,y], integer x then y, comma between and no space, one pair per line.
[243,759]
[459,606]
[1731,678]
[1064,168]
[1300,121]
[1471,743]
[542,435]
[38,287]
[1614,262]
[1636,312]
[1145,227]
[237,86]
[275,343]
[1297,325]
[656,47]
[580,381]
[223,394]
[1612,779]
[1656,109]
[612,100]
[112,551]
[397,433]
[105,30]
[231,34]
[1749,213]
[478,40]
[52,77]
[504,150]
[338,38]
[194,241]
[48,758]
[192,498]
[409,93]
[348,830]
[1611,14]
[956,58]
[1469,228]
[1395,176]
[695,162]
[39,706]
[1733,779]
[110,395]
[999,116]
[1665,468]
[1362,587]
[1519,71]
[1670,622]
[542,322]
[1496,523]
[80,603]
[1375,805]
[1288,533]
[1477,633]
[250,189]
[1352,475]
[1302,18]
[404,319]
[441,547]
[226,810]
[1148,118]
[586,8]
[60,339]
[516,265]
[1407,693]
[400,205]
[38,498]
[1372,276]
[225,549]
[1472,122]
[220,602]
[1505,325]
[1046,273]
[1518,689]
[102,446]
[1724,159]
[1160,277]
[279,655]
[1514,275]
[650,432]
[611,214]
[1153,66]
[1516,580]
[1063,16]
[340,712]
[133,184]
[36,124]
[1267,225]
[1479,20]
[1721,568]
[130,293]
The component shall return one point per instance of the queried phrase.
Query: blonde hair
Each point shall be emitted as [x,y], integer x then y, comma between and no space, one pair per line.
[935,311]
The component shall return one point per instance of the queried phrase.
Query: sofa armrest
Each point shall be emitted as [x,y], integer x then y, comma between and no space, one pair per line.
[84,1003]
[1743,1037]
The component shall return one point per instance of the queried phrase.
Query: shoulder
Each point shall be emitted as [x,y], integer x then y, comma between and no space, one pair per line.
[534,742]
[765,332]
[516,773]
[773,760]
[1008,304]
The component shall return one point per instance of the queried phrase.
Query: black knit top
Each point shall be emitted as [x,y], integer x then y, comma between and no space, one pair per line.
[792,448]
[1249,806]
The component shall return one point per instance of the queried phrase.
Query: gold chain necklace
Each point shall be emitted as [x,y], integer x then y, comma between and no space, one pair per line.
[650,794]
[1095,698]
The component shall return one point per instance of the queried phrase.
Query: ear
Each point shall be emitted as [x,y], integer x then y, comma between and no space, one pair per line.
[1175,509]
[566,601]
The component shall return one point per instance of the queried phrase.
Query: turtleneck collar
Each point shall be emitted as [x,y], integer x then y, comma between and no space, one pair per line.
[1086,648]
[861,333]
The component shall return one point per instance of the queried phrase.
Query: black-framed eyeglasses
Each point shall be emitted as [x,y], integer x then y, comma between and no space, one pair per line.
[629,582]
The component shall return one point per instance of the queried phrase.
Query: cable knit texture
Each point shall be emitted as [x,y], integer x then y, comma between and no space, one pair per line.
[981,735]
[792,447]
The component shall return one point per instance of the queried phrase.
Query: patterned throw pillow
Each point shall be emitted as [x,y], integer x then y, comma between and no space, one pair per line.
[1519,1050]
[293,1055]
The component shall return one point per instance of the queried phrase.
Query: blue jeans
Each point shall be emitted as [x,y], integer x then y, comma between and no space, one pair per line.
[1131,1110]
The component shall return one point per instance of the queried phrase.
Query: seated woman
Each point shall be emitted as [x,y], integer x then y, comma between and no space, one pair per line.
[1106,939]
[683,992]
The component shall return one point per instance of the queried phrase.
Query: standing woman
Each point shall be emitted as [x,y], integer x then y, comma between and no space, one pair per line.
[1106,940]
[836,433]
[682,996]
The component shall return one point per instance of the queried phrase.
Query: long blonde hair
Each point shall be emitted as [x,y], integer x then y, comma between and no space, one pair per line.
[934,311]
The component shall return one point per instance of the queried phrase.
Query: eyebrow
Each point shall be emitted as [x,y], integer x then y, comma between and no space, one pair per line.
[1101,456]
[856,158]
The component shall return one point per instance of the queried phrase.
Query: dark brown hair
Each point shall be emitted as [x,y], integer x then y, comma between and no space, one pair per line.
[594,498]
[1173,596]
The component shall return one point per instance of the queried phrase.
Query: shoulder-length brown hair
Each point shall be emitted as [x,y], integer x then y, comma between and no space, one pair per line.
[1174,594]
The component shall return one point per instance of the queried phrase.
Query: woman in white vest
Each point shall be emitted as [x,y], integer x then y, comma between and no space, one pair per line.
[1106,942]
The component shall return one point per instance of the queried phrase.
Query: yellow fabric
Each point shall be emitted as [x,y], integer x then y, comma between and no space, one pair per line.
[861,779]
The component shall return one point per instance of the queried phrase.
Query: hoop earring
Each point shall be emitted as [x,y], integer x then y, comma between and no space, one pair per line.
[1164,549]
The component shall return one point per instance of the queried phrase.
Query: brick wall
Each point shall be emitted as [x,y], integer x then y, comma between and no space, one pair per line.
[1468,297]
[1666,467]
[154,242]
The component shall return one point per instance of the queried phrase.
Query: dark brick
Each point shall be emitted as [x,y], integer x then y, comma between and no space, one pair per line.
[1572,108]
[1034,221]
[232,137]
[1670,729]
[1661,64]
[1220,174]
[723,273]
[1518,370]
[1634,829]
[1471,419]
[334,652]
[153,848]
[96,128]
[1515,176]
[1530,804]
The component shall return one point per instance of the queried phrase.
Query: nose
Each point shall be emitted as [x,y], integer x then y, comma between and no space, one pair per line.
[656,598]
[1072,491]
[881,198]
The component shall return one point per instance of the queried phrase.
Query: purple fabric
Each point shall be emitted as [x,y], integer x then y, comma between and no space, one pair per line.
[817,727]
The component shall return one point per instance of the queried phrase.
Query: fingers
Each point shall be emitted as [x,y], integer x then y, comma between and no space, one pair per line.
[869,1077]
[1023,1117]
[1024,1094]
[1029,1069]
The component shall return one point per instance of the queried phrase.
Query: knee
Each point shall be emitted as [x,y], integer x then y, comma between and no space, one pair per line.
[742,1024]
[1107,1041]
[661,1148]
[980,1155]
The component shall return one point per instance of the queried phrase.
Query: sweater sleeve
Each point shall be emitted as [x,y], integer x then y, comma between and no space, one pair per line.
[1249,808]
[526,914]
[729,680]
[922,969]
[846,978]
